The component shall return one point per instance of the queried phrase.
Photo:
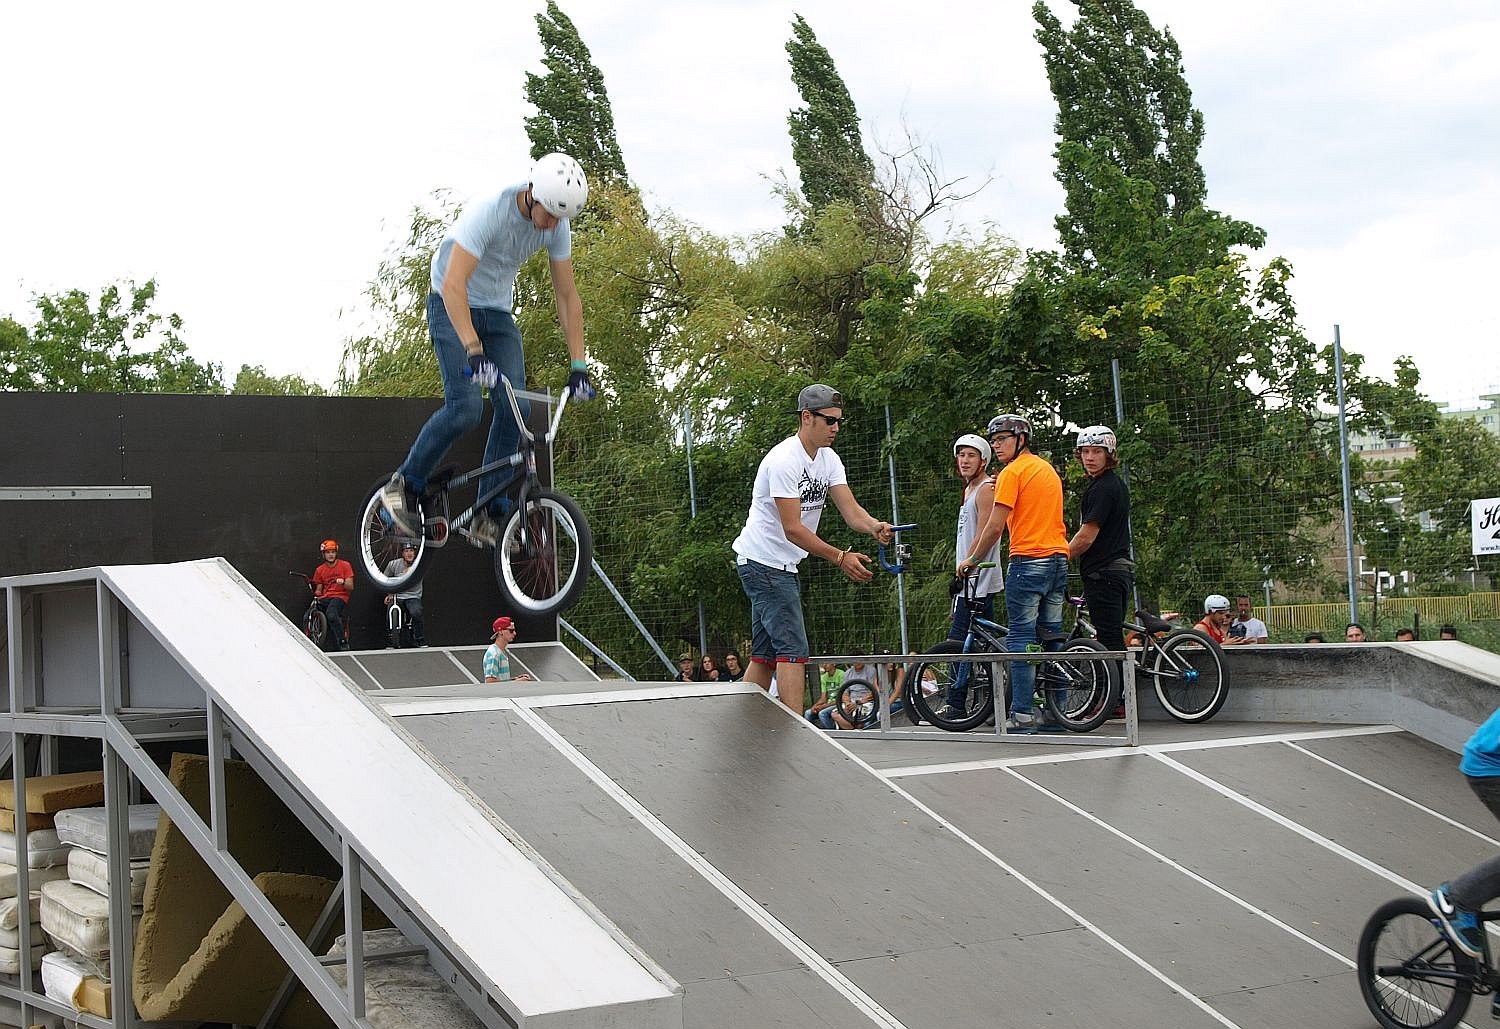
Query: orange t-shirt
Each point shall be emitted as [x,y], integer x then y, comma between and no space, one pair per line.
[1031,489]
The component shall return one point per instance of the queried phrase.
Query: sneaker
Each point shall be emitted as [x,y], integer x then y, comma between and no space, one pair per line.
[401,504]
[949,713]
[1460,925]
[1020,720]
[484,529]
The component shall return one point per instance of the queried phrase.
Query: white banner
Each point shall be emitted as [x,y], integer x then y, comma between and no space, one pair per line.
[1485,515]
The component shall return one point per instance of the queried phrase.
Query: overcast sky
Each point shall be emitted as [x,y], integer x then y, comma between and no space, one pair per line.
[259,160]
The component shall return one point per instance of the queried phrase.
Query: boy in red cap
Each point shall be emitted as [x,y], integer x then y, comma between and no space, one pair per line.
[497,658]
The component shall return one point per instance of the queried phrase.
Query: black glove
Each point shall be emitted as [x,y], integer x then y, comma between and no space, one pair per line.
[579,387]
[956,586]
[483,371]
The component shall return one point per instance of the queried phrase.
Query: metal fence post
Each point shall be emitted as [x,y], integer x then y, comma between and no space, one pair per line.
[687,433]
[1338,374]
[890,453]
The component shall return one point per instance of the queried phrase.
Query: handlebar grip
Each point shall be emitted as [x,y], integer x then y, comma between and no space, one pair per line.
[904,528]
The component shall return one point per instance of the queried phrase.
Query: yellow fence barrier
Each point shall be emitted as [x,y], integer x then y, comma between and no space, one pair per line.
[1432,611]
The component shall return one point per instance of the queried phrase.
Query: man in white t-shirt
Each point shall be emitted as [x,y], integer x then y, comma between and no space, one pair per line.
[1254,629]
[795,479]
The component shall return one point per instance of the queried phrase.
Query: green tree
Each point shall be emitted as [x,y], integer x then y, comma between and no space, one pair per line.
[1457,462]
[826,141]
[1225,440]
[574,115]
[394,359]
[254,380]
[115,344]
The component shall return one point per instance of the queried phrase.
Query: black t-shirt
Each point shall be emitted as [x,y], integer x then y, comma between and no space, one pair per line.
[1106,503]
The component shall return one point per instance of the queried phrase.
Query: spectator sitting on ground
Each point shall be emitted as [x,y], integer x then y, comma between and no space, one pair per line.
[685,669]
[1252,629]
[829,679]
[733,670]
[497,657]
[1448,632]
[1313,637]
[1354,633]
[1215,620]
[1404,635]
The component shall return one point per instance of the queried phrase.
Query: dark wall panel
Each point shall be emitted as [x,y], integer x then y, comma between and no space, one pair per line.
[259,481]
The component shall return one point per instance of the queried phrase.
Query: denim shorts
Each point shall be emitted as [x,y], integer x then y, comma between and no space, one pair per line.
[776,629]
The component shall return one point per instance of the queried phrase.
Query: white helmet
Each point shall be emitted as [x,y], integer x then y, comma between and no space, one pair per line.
[1097,436]
[1215,602]
[559,185]
[978,442]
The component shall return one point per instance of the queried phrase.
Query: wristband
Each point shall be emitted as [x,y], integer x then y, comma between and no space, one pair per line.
[579,365]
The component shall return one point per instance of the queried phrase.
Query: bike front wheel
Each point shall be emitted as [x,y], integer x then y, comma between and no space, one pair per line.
[545,551]
[380,544]
[315,624]
[1189,675]
[1079,695]
[1409,974]
[859,702]
[972,681]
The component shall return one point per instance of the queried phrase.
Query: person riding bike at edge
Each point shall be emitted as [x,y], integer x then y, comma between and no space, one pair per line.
[1029,505]
[474,333]
[332,583]
[1457,901]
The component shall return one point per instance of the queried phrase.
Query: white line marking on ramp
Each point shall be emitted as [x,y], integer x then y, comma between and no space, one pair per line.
[1171,863]
[1287,823]
[1153,748]
[736,896]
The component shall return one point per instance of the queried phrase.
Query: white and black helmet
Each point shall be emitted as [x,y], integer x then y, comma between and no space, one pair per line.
[1215,602]
[1097,436]
[978,442]
[559,185]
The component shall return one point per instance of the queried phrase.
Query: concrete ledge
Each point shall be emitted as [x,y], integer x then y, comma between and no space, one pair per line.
[1439,690]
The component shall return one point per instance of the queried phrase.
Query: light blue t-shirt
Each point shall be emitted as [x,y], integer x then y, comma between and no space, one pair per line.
[1482,753]
[495,231]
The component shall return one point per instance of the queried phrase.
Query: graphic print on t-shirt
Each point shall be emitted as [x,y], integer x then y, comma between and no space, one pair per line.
[814,492]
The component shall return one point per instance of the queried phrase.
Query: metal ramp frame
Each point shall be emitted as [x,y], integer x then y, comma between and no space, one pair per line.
[116,654]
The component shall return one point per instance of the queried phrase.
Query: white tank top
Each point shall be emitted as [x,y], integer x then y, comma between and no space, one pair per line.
[991,580]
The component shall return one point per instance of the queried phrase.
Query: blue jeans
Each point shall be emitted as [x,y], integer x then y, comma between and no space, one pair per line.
[1035,590]
[984,607]
[463,402]
[776,629]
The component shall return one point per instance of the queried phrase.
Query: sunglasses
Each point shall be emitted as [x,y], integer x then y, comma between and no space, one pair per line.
[830,419]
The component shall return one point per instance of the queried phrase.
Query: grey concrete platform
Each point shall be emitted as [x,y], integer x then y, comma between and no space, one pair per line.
[1215,875]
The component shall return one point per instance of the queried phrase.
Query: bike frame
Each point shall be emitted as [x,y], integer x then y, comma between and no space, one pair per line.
[526,456]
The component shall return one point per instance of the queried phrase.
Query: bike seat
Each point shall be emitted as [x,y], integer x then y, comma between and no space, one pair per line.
[1153,623]
[1048,636]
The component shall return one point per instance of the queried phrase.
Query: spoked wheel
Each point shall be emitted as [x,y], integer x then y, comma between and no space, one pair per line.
[859,703]
[545,551]
[1080,695]
[316,625]
[1409,974]
[1189,675]
[380,543]
[974,683]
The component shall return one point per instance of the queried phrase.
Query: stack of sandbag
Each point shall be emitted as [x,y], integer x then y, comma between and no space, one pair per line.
[75,911]
[46,854]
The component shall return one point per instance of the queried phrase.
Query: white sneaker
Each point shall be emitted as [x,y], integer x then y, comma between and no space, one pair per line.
[394,498]
[484,529]
[1020,720]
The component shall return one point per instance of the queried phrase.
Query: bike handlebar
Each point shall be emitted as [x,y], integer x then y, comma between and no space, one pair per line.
[902,550]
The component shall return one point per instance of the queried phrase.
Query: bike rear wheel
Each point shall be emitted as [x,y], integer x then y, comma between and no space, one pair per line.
[976,700]
[545,551]
[1079,695]
[1410,976]
[1189,675]
[380,544]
